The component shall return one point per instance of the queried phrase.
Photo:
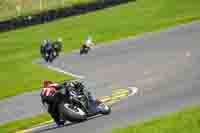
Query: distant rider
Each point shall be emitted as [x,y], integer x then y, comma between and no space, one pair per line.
[42,48]
[46,43]
[58,46]
[88,43]
[46,49]
[49,47]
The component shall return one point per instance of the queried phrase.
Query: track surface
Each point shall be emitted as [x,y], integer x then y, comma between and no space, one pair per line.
[164,66]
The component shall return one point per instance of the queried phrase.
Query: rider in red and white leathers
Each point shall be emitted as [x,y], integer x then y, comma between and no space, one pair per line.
[49,96]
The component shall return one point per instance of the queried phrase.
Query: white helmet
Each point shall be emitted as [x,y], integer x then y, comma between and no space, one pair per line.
[59,39]
[45,41]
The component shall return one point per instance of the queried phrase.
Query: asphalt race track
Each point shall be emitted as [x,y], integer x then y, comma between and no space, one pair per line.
[163,66]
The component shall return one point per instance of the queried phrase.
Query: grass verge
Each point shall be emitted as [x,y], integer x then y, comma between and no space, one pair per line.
[19,48]
[186,121]
[18,125]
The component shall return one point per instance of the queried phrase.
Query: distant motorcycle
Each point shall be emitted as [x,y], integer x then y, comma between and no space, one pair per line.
[50,55]
[84,50]
[48,52]
[58,48]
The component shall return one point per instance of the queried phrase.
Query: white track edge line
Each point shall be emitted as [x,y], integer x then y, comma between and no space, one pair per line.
[65,72]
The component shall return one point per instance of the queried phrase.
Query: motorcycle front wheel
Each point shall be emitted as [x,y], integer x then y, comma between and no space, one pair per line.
[72,113]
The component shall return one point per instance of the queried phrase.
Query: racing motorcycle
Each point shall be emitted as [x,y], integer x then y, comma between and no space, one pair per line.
[48,53]
[76,108]
[58,48]
[84,50]
[50,56]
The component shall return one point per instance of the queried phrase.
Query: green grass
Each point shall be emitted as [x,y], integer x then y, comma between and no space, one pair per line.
[18,125]
[8,7]
[19,48]
[186,121]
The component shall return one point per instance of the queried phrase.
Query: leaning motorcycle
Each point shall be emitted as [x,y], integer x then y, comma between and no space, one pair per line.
[77,108]
[48,53]
[80,107]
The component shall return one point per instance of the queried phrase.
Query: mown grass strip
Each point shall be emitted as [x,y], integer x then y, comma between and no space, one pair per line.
[26,123]
[18,49]
[186,121]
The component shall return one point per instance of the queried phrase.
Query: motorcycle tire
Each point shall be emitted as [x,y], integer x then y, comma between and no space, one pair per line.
[46,57]
[81,51]
[74,114]
[84,51]
[51,57]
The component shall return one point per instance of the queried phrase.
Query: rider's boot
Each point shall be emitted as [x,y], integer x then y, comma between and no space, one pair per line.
[60,123]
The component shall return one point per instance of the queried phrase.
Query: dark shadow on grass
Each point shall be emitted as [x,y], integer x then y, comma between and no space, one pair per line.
[54,127]
[51,15]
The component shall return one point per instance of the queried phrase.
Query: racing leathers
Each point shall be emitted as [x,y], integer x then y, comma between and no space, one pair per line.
[57,46]
[88,43]
[72,89]
[46,49]
[50,96]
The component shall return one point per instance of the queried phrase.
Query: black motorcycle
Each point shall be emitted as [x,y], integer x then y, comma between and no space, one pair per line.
[84,50]
[58,48]
[48,53]
[77,108]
